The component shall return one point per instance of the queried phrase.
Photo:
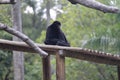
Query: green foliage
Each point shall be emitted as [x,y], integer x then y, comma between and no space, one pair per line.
[5,14]
[91,29]
[83,27]
[6,19]
[42,37]
[33,31]
[6,71]
[33,67]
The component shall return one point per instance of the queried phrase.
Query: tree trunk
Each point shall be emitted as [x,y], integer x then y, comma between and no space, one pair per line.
[18,57]
[48,12]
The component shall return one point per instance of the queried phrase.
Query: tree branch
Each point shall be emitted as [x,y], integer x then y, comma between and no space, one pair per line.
[96,5]
[7,1]
[24,38]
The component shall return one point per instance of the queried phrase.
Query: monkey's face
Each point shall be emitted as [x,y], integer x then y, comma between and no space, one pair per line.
[57,23]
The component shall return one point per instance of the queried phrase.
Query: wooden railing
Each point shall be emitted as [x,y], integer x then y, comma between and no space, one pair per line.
[61,53]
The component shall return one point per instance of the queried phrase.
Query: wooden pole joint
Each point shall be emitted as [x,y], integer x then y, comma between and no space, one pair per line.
[61,52]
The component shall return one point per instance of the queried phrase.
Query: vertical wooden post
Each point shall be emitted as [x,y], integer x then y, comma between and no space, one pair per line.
[118,68]
[60,66]
[46,68]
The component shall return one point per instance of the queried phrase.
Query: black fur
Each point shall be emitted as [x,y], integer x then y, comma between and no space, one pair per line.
[55,36]
[72,1]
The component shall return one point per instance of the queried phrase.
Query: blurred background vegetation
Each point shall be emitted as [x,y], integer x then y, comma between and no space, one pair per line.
[83,27]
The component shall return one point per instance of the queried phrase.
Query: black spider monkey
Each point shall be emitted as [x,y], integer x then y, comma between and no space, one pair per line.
[55,36]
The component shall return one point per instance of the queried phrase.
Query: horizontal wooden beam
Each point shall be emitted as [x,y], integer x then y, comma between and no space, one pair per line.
[7,1]
[72,52]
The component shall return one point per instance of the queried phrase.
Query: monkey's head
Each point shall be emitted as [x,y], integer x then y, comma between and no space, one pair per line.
[57,23]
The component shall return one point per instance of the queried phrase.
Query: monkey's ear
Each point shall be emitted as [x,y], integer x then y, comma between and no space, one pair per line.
[72,1]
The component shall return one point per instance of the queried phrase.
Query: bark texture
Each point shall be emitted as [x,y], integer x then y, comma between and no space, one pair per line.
[96,5]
